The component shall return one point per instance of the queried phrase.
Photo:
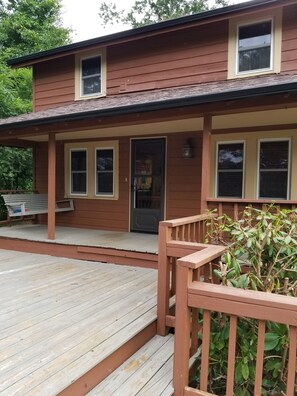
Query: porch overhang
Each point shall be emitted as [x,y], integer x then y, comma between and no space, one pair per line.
[160,100]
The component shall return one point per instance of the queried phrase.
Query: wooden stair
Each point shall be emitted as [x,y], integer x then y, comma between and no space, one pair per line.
[147,373]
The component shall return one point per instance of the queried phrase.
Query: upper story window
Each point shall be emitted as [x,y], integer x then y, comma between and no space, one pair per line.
[230,164]
[273,169]
[90,75]
[254,47]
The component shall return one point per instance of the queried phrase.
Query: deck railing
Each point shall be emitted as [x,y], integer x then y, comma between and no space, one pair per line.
[233,207]
[177,238]
[192,296]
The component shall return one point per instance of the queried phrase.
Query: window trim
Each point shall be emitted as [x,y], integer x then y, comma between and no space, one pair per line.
[113,173]
[70,172]
[90,146]
[78,73]
[276,43]
[225,142]
[288,170]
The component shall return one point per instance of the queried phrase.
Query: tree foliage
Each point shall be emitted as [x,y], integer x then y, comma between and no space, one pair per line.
[145,12]
[26,26]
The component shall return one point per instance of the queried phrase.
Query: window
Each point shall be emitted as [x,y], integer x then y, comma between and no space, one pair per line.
[255,43]
[273,169]
[91,76]
[254,47]
[104,171]
[78,169]
[92,169]
[230,158]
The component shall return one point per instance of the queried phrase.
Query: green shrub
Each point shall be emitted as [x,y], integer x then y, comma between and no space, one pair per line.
[261,255]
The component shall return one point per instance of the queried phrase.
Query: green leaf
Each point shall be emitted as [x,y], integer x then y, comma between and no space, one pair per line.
[245,371]
[271,341]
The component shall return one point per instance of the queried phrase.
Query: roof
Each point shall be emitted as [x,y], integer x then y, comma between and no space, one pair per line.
[138,32]
[169,98]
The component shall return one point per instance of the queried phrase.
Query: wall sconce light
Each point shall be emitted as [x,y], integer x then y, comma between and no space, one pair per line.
[187,149]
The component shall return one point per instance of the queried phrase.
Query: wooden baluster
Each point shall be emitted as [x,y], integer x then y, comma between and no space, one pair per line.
[291,362]
[163,279]
[195,324]
[205,351]
[182,331]
[260,358]
[173,277]
[231,355]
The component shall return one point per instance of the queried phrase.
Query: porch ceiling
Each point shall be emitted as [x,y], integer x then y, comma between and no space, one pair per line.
[281,117]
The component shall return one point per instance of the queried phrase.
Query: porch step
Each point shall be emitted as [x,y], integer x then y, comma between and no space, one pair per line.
[147,373]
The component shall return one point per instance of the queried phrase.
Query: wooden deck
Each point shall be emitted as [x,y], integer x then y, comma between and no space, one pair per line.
[62,321]
[106,246]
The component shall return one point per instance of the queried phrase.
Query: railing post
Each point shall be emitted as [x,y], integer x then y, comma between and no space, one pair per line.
[182,331]
[163,279]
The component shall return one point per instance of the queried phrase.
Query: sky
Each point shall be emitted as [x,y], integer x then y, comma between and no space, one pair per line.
[82,17]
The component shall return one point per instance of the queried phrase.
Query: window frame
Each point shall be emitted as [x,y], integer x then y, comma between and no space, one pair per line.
[79,58]
[225,142]
[288,170]
[262,70]
[82,78]
[96,172]
[90,147]
[276,43]
[70,172]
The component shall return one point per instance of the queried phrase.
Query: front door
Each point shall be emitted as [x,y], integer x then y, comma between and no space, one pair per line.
[147,198]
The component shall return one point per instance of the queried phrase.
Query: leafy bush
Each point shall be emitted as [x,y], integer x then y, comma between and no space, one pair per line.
[261,255]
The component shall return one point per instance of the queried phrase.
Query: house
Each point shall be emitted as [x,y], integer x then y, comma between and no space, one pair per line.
[166,120]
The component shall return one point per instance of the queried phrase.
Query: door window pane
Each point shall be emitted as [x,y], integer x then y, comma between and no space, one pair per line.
[78,171]
[104,171]
[254,46]
[91,75]
[230,170]
[274,169]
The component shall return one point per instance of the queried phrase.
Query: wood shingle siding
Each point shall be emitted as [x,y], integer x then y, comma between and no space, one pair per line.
[289,42]
[54,83]
[197,55]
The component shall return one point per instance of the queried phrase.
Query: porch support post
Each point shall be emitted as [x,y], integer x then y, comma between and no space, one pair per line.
[206,161]
[51,218]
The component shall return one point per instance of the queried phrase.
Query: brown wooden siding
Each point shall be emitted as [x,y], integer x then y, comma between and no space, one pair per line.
[54,83]
[183,178]
[195,55]
[289,44]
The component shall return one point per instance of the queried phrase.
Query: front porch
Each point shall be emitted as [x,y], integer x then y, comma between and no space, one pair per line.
[127,248]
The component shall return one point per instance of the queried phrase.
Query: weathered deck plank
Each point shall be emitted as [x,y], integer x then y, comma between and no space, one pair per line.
[147,373]
[60,317]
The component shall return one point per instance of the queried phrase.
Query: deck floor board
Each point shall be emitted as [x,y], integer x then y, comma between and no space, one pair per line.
[147,373]
[59,317]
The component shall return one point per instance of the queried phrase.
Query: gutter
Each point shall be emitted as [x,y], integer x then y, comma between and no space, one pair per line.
[158,105]
[160,26]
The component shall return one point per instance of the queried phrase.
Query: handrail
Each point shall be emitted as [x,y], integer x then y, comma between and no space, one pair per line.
[192,295]
[177,238]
